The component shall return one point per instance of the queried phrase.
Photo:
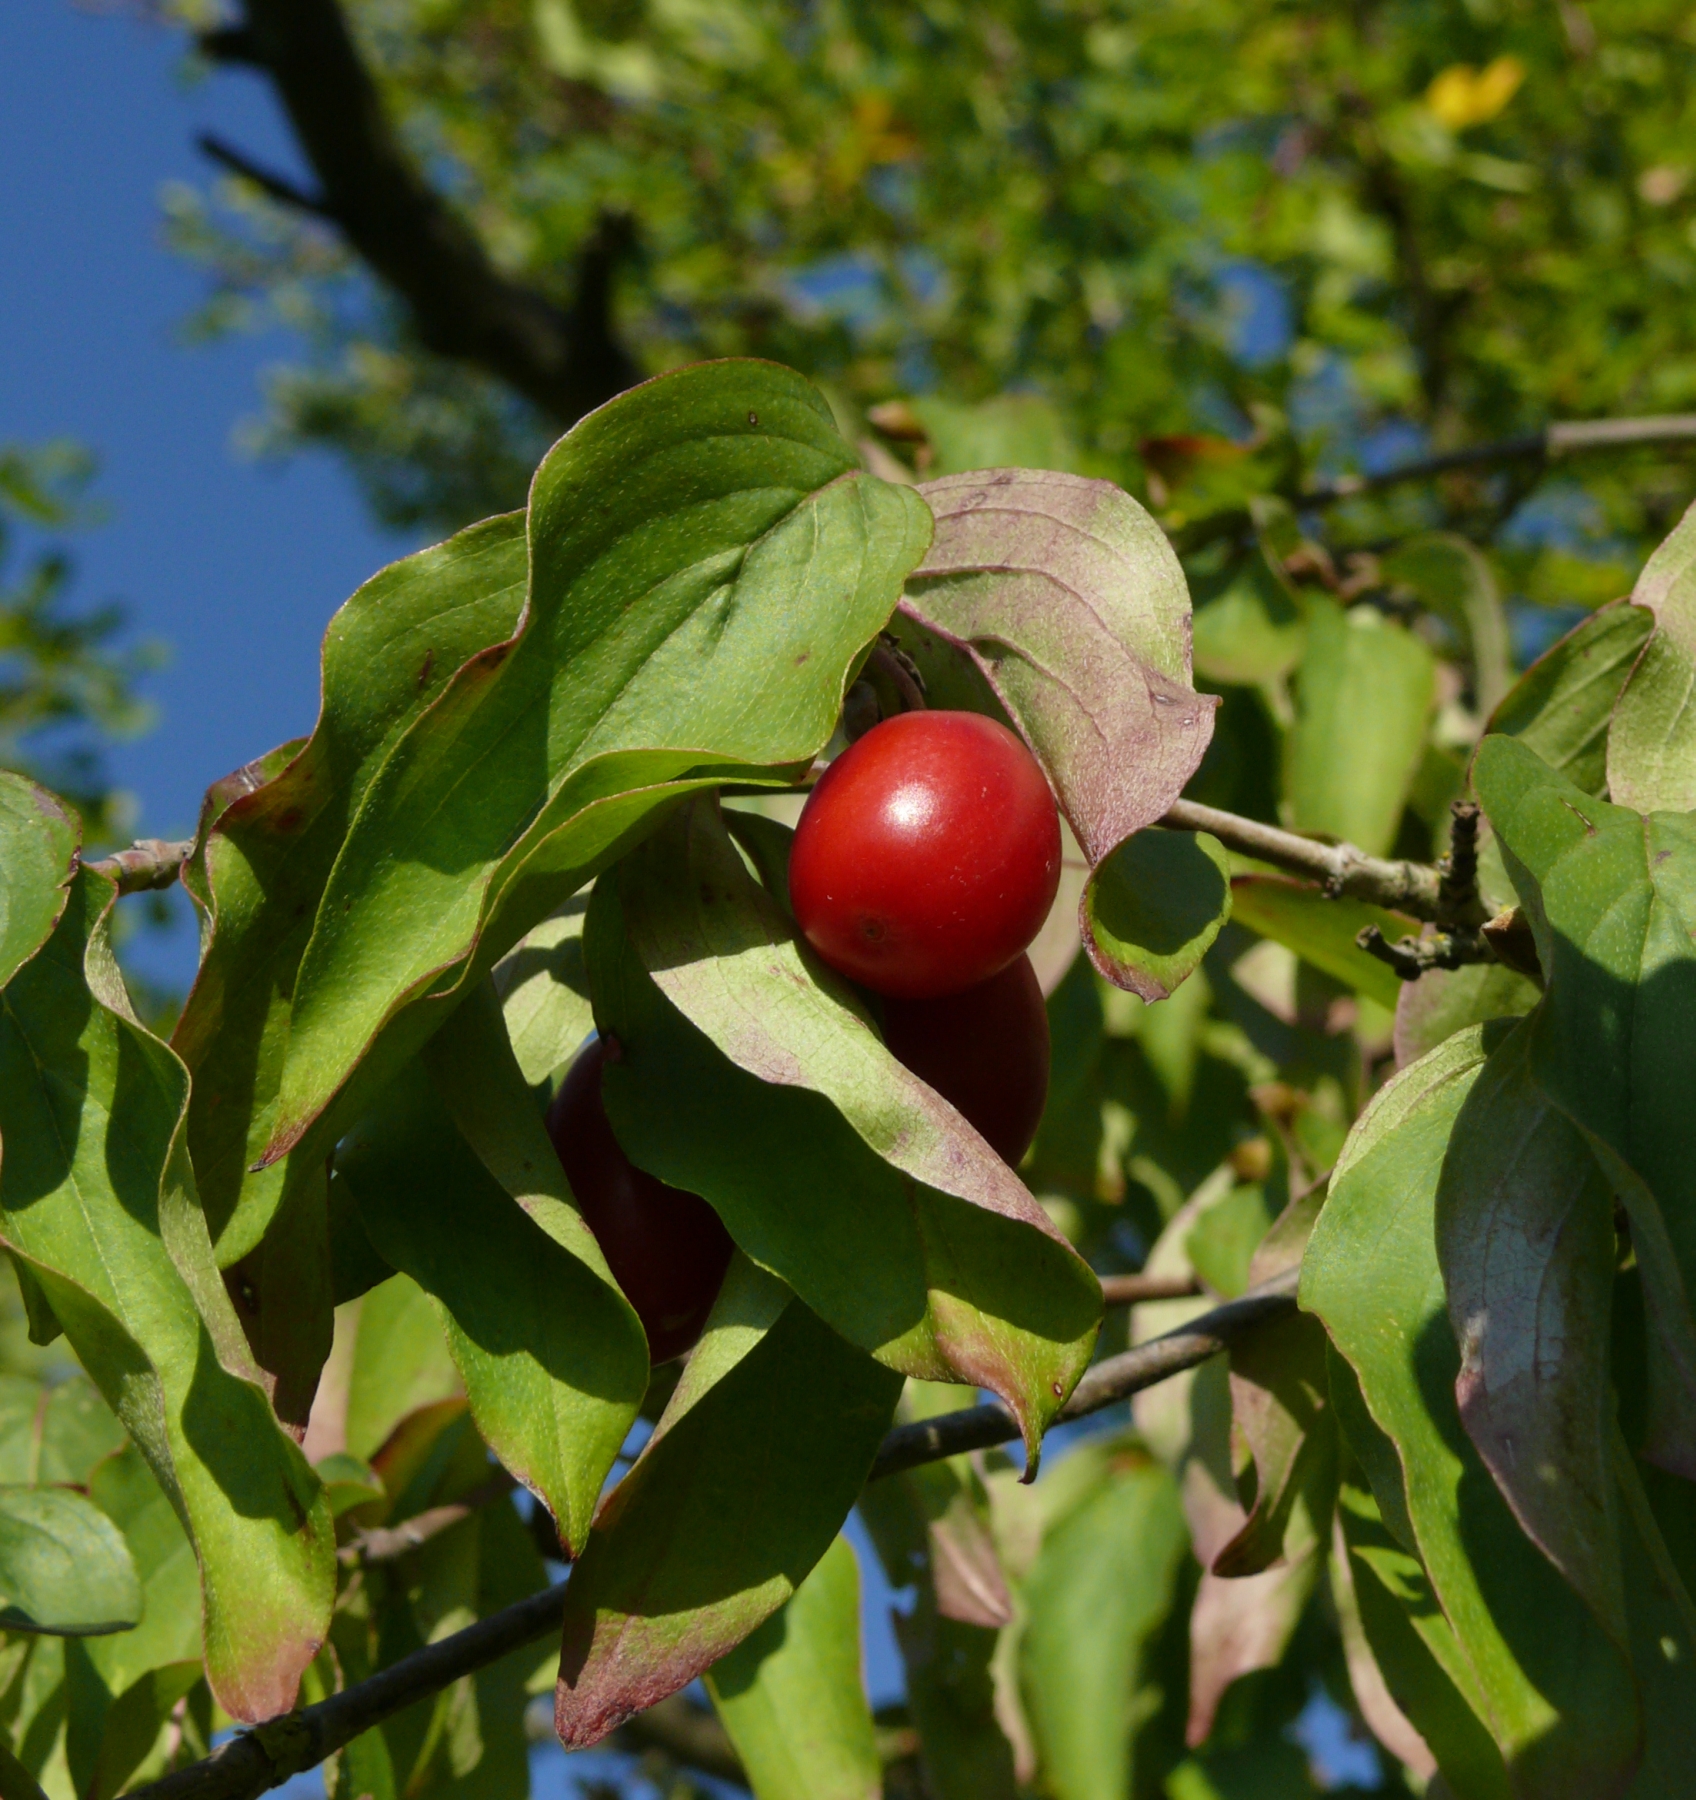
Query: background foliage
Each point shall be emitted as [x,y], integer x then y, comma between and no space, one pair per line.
[1220,255]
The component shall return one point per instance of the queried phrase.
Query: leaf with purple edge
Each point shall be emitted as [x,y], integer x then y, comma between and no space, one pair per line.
[98,1199]
[1072,605]
[740,1491]
[745,1067]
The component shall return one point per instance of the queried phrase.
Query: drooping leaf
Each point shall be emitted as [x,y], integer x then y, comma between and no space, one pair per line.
[1153,908]
[746,1480]
[790,1695]
[267,854]
[64,1566]
[1444,1001]
[1652,740]
[1524,1224]
[1611,897]
[1364,693]
[705,567]
[96,1195]
[1451,577]
[1557,1695]
[1070,601]
[1561,705]
[1101,1587]
[1322,931]
[553,1359]
[38,843]
[745,1068]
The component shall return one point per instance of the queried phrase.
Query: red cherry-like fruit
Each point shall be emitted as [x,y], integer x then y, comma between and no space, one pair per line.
[984,1051]
[666,1248]
[927,856]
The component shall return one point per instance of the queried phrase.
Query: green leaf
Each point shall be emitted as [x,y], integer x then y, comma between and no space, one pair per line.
[1070,601]
[553,1359]
[736,1496]
[1525,1239]
[38,846]
[1154,907]
[1453,579]
[1101,1587]
[276,831]
[705,568]
[1652,740]
[1364,693]
[1444,1001]
[544,993]
[1007,431]
[64,1567]
[1557,1695]
[400,1363]
[790,1695]
[1612,899]
[1415,1650]
[746,1068]
[56,1434]
[96,1196]
[1560,707]
[1252,629]
[1322,931]
[124,1489]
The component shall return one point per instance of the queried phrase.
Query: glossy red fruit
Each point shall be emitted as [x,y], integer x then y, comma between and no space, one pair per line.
[928,855]
[984,1051]
[666,1248]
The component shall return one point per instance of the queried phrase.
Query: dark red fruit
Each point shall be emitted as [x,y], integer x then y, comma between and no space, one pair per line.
[666,1248]
[928,855]
[984,1051]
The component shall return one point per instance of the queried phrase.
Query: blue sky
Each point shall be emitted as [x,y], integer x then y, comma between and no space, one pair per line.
[235,566]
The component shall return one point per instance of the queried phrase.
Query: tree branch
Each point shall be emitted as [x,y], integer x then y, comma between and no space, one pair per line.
[1408,887]
[1132,1290]
[268,181]
[148,863]
[566,360]
[267,1755]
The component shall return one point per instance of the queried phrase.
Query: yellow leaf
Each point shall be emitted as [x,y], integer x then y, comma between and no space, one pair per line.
[1462,95]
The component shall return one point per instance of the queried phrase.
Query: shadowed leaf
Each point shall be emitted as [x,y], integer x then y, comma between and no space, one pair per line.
[736,1496]
[790,1695]
[1154,907]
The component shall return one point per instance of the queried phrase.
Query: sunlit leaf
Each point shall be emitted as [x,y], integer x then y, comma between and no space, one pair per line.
[1154,907]
[1652,740]
[705,568]
[97,1197]
[64,1567]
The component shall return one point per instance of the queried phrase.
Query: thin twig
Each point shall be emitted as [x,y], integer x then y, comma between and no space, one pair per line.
[264,1757]
[892,662]
[1406,887]
[1132,1290]
[1562,438]
[148,863]
[387,1542]
[279,187]
[1413,956]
